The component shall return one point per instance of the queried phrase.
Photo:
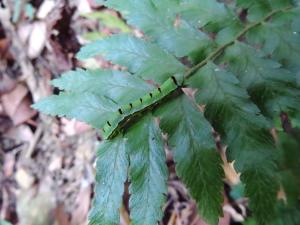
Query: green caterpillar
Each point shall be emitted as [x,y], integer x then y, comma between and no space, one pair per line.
[112,126]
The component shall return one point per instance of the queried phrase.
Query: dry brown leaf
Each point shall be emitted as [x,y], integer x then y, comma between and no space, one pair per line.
[24,178]
[61,216]
[5,123]
[4,48]
[41,201]
[231,175]
[16,104]
[84,6]
[12,100]
[24,112]
[24,32]
[93,3]
[6,84]
[124,216]
[46,7]
[59,62]
[21,133]
[73,127]
[225,220]
[79,215]
[56,163]
[9,164]
[228,209]
[1,110]
[37,39]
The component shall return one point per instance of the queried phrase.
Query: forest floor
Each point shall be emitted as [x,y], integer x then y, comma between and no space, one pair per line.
[47,164]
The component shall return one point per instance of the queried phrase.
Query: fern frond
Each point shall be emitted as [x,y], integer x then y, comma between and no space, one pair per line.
[246,72]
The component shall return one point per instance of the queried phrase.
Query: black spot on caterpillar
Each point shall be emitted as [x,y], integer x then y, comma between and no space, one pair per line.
[120,111]
[174,80]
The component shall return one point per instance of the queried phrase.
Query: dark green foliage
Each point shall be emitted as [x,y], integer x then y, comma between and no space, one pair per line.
[120,87]
[284,216]
[244,130]
[197,161]
[157,19]
[243,59]
[148,172]
[141,58]
[89,107]
[290,167]
[113,163]
[272,87]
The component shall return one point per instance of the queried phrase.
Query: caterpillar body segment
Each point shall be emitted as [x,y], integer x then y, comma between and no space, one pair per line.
[113,125]
[125,109]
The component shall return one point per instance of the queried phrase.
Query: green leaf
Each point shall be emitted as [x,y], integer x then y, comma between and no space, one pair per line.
[159,20]
[245,132]
[144,59]
[121,87]
[203,12]
[290,167]
[255,70]
[271,87]
[229,32]
[86,107]
[224,96]
[279,37]
[258,9]
[112,165]
[198,163]
[286,215]
[290,183]
[261,187]
[148,172]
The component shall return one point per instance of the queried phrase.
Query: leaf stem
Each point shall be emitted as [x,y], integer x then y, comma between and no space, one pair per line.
[219,50]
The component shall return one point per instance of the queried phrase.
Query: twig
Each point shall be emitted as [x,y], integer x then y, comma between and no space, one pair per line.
[34,141]
[20,54]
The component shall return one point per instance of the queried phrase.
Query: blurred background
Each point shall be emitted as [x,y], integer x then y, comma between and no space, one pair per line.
[47,164]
